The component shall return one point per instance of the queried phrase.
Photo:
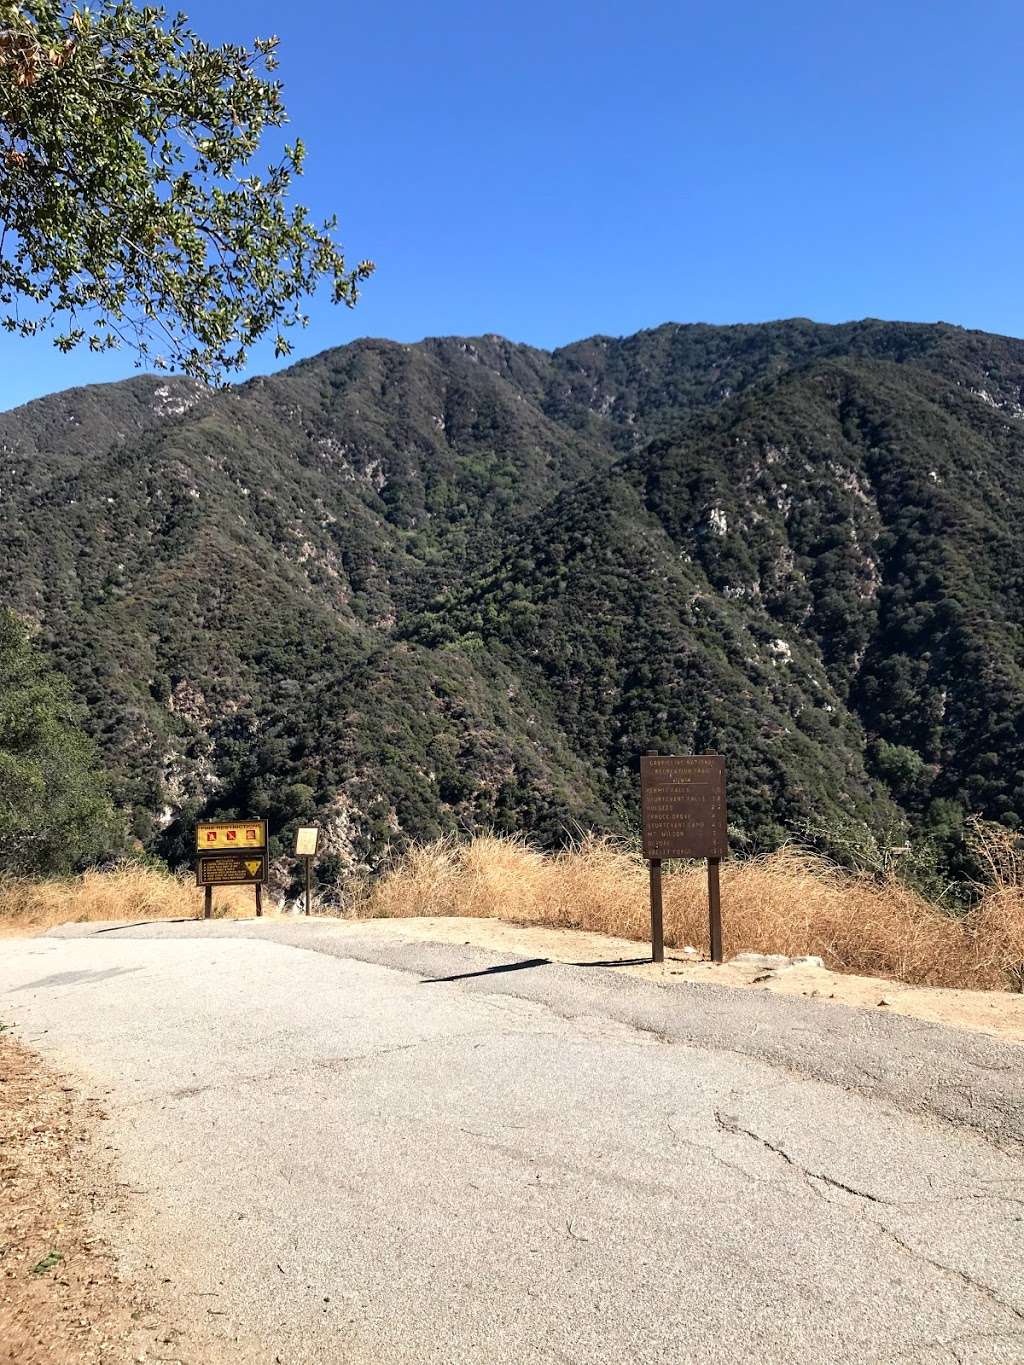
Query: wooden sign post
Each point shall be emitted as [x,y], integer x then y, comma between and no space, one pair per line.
[307,837]
[231,853]
[682,805]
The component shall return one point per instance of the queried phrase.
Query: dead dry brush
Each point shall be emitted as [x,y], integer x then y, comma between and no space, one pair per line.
[126,891]
[791,902]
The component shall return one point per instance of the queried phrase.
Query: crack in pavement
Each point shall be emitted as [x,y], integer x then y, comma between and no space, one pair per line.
[727,1124]
[955,1271]
[707,1151]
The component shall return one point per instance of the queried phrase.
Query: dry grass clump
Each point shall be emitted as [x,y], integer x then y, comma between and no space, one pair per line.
[125,892]
[786,902]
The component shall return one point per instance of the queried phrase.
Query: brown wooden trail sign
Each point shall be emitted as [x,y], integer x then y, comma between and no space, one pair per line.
[231,853]
[683,815]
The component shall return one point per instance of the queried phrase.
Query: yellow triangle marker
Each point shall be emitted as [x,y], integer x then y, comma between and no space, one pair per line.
[253,868]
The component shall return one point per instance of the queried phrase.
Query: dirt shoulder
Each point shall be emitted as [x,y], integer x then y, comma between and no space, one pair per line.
[999,1013]
[62,1299]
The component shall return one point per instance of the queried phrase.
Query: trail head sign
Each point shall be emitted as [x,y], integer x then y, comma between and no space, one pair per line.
[682,810]
[231,853]
[682,806]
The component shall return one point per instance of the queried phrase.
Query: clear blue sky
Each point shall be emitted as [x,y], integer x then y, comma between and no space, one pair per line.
[551,170]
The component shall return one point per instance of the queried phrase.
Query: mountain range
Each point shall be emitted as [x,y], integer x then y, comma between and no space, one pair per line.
[463,584]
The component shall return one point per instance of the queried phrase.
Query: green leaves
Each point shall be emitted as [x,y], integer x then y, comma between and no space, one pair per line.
[128,202]
[54,810]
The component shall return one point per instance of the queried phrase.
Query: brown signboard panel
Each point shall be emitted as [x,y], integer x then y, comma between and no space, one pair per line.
[682,803]
[231,836]
[231,869]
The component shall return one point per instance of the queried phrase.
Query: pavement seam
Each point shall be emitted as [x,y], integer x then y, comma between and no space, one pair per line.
[924,1109]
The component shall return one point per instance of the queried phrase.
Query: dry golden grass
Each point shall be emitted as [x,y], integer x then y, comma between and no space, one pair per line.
[787,902]
[125,892]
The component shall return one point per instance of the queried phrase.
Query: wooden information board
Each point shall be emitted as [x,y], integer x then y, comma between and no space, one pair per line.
[682,805]
[231,853]
[682,813]
[231,869]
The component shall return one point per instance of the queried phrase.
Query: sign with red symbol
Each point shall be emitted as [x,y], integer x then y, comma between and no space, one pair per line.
[231,834]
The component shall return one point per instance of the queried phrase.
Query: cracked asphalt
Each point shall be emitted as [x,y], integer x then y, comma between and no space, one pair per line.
[351,1149]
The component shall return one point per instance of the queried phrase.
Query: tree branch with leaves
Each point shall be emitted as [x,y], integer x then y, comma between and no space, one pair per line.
[130,212]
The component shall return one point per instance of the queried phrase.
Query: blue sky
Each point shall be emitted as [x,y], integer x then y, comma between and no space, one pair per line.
[551,170]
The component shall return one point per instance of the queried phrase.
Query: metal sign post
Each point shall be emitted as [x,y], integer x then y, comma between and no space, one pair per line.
[307,837]
[231,853]
[682,803]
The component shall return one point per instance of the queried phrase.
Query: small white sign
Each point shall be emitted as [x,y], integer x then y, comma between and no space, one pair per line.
[306,839]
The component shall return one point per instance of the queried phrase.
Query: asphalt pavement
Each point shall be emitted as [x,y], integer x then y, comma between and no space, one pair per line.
[352,1149]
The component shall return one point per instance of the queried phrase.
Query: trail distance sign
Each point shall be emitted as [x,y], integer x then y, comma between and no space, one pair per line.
[682,805]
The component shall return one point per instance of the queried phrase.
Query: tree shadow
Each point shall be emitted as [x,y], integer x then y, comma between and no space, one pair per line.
[142,923]
[490,971]
[77,978]
[611,962]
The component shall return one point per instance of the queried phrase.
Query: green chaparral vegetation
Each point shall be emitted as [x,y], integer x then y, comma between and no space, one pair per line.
[54,811]
[464,583]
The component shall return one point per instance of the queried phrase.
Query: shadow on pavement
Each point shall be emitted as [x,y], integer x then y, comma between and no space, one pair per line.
[610,962]
[490,971]
[142,923]
[76,978]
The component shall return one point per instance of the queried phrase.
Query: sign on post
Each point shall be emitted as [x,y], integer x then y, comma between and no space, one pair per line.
[682,802]
[683,815]
[231,869]
[306,841]
[307,837]
[230,835]
[231,853]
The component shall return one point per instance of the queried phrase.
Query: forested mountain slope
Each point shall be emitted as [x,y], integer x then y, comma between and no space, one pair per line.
[465,582]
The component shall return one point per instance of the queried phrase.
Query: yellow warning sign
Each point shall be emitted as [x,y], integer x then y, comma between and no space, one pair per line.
[253,867]
[231,836]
